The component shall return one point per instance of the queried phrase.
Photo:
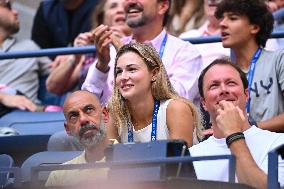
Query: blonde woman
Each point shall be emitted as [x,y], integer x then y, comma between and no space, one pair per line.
[144,105]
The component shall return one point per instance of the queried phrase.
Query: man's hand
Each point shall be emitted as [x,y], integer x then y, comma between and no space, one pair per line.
[17,101]
[84,39]
[230,118]
[102,39]
[272,6]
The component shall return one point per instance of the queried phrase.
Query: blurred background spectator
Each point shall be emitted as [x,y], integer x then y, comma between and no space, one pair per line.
[18,76]
[185,15]
[209,51]
[58,22]
[75,67]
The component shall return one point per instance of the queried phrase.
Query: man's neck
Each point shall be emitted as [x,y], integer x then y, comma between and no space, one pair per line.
[3,37]
[147,32]
[245,54]
[97,153]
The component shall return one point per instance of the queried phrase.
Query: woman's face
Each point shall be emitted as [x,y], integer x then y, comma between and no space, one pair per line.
[115,16]
[133,78]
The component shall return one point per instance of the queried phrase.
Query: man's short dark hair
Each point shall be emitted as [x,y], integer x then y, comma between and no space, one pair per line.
[256,11]
[221,61]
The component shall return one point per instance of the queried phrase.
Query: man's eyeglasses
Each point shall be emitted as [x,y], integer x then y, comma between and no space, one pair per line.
[6,4]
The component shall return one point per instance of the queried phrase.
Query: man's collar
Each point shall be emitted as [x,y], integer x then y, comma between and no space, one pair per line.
[156,42]
[8,43]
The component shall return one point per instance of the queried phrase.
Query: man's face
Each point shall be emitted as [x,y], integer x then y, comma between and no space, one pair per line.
[141,12]
[223,82]
[279,3]
[236,30]
[84,118]
[8,17]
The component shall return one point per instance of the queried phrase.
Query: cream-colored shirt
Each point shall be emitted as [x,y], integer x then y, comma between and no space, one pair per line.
[73,177]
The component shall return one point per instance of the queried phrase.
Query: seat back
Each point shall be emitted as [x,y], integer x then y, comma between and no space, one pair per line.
[34,123]
[45,158]
[6,161]
[22,146]
[61,141]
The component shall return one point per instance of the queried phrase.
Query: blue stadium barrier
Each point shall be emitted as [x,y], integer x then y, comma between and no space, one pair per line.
[92,49]
[273,156]
[131,164]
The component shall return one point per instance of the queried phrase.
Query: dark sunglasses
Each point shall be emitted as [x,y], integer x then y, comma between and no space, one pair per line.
[6,4]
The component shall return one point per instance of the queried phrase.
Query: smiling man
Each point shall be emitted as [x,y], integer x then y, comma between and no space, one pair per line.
[85,119]
[223,89]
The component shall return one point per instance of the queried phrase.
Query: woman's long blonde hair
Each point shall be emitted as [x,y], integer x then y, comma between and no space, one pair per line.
[161,88]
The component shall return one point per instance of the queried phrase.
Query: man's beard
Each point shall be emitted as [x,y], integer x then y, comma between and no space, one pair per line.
[136,23]
[99,133]
[11,28]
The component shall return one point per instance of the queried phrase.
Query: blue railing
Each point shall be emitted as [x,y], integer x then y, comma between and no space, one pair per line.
[91,49]
[272,179]
[136,164]
[278,14]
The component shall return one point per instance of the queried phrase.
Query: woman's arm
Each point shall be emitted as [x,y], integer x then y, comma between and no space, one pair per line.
[180,121]
[65,75]
[112,130]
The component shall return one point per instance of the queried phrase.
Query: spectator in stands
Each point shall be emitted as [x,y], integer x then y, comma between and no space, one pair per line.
[58,22]
[144,105]
[245,27]
[209,51]
[11,101]
[275,4]
[224,92]
[147,19]
[85,119]
[75,67]
[18,76]
[185,15]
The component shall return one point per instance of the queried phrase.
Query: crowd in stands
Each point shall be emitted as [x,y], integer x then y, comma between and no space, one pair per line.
[145,83]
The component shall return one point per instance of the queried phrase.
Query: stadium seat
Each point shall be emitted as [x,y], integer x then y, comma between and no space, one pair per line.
[60,141]
[34,123]
[6,161]
[22,146]
[45,158]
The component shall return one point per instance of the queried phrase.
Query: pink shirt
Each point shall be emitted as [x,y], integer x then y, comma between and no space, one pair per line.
[209,51]
[181,59]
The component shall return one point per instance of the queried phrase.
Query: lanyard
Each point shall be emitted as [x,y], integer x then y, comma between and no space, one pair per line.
[251,74]
[163,45]
[154,124]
